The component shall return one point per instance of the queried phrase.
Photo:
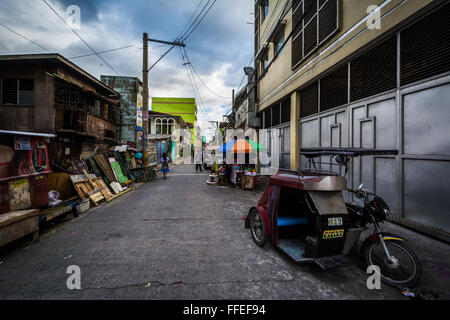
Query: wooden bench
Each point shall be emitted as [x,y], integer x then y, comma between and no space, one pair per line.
[15,225]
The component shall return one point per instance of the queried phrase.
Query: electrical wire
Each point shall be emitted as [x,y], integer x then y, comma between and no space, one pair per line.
[185,37]
[204,84]
[25,38]
[189,66]
[100,52]
[184,63]
[190,19]
[76,33]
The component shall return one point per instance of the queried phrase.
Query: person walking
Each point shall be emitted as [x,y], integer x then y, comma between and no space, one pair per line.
[165,165]
[199,161]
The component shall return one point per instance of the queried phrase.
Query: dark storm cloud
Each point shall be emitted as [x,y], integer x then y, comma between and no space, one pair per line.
[219,48]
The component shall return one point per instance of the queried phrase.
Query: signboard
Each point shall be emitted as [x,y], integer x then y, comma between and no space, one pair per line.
[22,143]
[140,113]
[18,163]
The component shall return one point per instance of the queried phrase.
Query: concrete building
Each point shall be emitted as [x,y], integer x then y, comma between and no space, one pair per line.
[183,107]
[368,73]
[162,126]
[243,109]
[48,94]
[131,121]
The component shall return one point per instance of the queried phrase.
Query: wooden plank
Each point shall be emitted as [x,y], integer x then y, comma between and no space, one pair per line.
[19,229]
[105,167]
[120,194]
[96,198]
[12,217]
[106,192]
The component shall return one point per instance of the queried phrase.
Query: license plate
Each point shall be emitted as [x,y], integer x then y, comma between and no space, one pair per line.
[335,222]
[333,234]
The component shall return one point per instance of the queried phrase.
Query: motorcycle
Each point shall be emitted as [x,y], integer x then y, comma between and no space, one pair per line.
[398,264]
[304,215]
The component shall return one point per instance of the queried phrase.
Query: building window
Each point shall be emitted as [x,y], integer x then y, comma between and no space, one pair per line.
[171,126]
[313,22]
[334,89]
[367,77]
[279,42]
[17,91]
[309,100]
[164,129]
[158,126]
[264,64]
[286,110]
[267,118]
[264,10]
[425,47]
[276,115]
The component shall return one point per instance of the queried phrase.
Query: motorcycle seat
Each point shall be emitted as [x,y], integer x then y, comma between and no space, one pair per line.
[291,221]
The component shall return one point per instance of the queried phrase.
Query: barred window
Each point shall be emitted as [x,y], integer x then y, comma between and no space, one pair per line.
[309,100]
[334,89]
[265,9]
[425,47]
[314,22]
[286,110]
[375,71]
[17,91]
[267,118]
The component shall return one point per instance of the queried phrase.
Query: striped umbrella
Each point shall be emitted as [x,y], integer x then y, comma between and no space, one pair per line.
[241,146]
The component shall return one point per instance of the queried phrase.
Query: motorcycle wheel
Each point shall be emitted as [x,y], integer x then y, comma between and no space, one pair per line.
[257,228]
[406,269]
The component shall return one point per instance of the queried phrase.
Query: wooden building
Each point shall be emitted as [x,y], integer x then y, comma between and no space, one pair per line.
[46,93]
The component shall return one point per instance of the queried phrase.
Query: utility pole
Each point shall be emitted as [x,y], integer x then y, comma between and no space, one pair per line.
[146,70]
[145,85]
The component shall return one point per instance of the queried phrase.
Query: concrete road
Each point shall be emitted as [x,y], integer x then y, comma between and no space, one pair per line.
[171,239]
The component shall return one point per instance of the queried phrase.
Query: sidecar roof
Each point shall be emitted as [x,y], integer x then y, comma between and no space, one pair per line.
[309,182]
[347,152]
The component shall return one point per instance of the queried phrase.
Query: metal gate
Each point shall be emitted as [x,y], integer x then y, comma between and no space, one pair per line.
[414,120]
[161,149]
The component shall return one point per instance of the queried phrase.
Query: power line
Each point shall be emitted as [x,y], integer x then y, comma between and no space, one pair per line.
[184,29]
[100,52]
[243,77]
[202,106]
[76,33]
[185,37]
[204,84]
[193,22]
[193,85]
[23,37]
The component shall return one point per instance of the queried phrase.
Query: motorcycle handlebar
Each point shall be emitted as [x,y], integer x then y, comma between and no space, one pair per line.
[360,192]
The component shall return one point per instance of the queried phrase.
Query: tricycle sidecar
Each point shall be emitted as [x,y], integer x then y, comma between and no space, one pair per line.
[304,215]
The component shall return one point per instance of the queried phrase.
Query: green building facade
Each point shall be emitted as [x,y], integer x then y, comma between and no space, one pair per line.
[186,108]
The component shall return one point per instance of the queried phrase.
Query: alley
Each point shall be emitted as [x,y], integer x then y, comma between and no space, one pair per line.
[171,239]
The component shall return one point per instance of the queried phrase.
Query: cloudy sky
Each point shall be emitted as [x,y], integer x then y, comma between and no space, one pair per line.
[219,48]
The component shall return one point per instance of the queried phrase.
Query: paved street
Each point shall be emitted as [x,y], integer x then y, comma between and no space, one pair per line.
[171,239]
